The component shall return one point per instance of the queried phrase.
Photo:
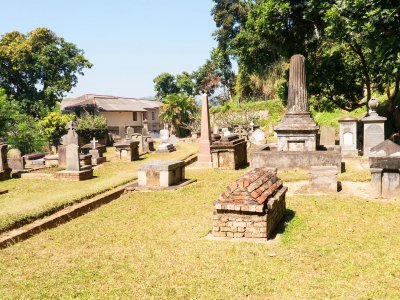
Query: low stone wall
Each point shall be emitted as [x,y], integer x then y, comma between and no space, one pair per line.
[261,157]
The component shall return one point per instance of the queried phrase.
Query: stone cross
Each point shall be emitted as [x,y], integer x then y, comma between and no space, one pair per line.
[94,141]
[71,137]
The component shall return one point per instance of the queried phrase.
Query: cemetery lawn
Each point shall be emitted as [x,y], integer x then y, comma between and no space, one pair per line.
[152,246]
[30,199]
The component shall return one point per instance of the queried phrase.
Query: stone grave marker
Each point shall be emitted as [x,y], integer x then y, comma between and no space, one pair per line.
[145,129]
[374,127]
[173,140]
[129,132]
[164,135]
[121,131]
[15,160]
[327,137]
[258,137]
[72,153]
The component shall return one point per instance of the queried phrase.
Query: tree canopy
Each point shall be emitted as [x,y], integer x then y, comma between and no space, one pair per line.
[38,68]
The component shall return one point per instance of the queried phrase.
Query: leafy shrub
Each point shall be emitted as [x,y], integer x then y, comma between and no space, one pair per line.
[90,126]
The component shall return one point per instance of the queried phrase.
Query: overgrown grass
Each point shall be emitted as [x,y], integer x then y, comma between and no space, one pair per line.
[152,246]
[29,199]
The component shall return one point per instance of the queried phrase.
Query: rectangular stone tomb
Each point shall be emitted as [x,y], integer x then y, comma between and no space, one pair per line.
[161,173]
[324,178]
[250,207]
[229,153]
[127,150]
[268,156]
[384,164]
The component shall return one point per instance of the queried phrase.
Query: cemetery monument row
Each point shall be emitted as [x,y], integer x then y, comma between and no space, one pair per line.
[74,171]
[297,133]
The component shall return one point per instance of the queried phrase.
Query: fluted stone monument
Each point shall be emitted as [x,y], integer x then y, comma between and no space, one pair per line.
[297,131]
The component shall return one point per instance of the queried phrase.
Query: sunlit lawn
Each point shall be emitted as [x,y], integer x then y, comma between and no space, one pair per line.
[152,246]
[29,199]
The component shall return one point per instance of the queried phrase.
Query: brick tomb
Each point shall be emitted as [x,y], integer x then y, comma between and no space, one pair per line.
[251,207]
[229,153]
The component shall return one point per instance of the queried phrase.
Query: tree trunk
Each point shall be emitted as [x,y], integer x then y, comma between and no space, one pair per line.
[392,97]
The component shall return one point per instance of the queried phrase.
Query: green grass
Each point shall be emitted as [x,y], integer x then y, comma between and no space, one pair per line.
[29,199]
[152,246]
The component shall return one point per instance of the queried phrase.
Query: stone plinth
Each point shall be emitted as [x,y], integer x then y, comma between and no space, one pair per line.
[250,207]
[384,163]
[348,136]
[268,156]
[161,173]
[324,178]
[229,153]
[97,158]
[74,175]
[127,150]
[51,160]
[165,148]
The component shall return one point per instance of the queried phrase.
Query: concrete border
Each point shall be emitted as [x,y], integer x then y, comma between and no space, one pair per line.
[65,215]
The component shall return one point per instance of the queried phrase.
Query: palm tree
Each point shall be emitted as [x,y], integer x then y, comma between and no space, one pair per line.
[177,110]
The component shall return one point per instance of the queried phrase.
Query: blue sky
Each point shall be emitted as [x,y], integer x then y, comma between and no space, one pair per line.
[129,42]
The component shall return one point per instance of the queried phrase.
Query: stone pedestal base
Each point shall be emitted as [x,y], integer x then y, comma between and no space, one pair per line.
[165,148]
[98,161]
[161,173]
[74,175]
[324,178]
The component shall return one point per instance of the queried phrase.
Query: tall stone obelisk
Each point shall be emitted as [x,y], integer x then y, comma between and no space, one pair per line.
[297,131]
[204,158]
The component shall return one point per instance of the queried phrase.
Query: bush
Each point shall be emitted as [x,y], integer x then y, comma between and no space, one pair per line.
[90,126]
[53,126]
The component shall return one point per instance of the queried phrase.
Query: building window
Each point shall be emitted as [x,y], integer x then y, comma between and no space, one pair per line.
[145,116]
[153,115]
[134,116]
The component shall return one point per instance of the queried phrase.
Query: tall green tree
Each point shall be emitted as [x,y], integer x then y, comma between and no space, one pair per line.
[371,32]
[38,68]
[165,84]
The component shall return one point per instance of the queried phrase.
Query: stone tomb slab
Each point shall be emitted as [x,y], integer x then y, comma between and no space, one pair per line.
[324,178]
[161,173]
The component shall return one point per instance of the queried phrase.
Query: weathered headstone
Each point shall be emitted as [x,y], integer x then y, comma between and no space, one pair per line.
[145,129]
[72,153]
[348,136]
[121,131]
[215,130]
[129,132]
[71,137]
[173,140]
[297,131]
[164,135]
[15,160]
[5,171]
[374,127]
[258,137]
[327,137]
[137,137]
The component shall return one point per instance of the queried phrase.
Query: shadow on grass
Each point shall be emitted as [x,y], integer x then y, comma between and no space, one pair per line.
[280,228]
